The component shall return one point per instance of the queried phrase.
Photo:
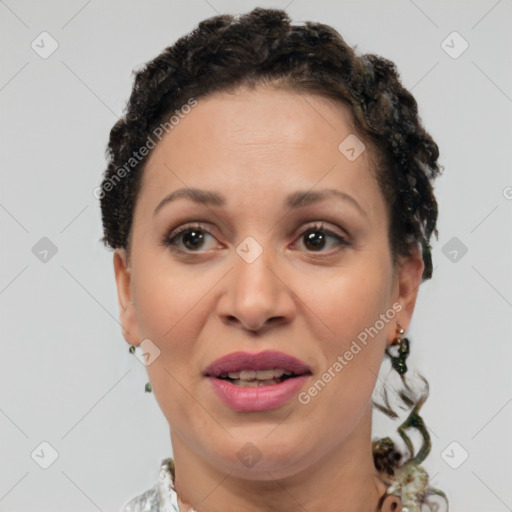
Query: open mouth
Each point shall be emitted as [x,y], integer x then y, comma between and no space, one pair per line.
[252,378]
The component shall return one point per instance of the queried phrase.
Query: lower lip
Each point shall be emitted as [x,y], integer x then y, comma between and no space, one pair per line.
[261,398]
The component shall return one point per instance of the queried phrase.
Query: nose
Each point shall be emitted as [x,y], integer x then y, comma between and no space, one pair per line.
[257,295]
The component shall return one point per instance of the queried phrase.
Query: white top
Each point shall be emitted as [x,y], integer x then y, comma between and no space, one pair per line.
[160,498]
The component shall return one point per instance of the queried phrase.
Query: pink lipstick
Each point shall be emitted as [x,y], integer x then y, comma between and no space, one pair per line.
[250,382]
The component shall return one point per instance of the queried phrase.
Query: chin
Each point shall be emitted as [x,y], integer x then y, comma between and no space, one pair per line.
[254,457]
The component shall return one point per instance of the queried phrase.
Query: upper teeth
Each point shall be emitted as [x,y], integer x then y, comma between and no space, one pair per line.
[256,374]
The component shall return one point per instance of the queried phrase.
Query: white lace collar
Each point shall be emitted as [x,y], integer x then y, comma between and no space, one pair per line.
[160,498]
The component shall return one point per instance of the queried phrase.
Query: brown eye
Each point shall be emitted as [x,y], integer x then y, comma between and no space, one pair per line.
[316,238]
[192,238]
[188,238]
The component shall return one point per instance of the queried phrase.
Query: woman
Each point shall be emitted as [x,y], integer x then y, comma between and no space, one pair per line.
[269,201]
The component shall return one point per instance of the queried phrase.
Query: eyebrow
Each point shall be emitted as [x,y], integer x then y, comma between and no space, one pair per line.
[298,199]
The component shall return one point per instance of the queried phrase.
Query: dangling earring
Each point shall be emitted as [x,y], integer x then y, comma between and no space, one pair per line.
[398,361]
[147,387]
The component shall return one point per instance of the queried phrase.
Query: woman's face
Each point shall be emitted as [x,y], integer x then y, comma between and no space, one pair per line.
[269,268]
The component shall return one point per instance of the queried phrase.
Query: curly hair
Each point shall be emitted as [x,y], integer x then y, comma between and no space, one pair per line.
[262,47]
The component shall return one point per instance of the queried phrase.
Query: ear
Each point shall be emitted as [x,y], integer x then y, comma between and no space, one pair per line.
[127,314]
[407,282]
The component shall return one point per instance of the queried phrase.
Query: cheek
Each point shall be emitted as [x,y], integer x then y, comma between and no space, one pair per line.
[348,302]
[167,313]
[166,298]
[351,307]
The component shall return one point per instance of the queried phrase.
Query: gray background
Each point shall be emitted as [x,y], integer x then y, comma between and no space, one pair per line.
[66,375]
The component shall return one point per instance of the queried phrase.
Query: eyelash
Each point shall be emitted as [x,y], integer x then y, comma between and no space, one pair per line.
[170,240]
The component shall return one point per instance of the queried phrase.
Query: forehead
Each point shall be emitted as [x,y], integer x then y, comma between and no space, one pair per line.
[247,118]
[257,139]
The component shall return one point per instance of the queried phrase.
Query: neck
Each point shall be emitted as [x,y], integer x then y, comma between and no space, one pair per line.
[344,479]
